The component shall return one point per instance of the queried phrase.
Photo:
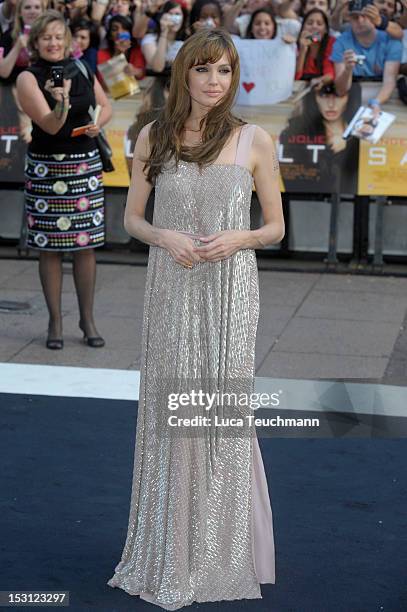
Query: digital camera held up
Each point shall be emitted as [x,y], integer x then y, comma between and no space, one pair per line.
[357,6]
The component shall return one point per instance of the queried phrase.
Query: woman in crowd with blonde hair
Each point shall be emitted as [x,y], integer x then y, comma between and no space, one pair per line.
[200,524]
[64,190]
[14,42]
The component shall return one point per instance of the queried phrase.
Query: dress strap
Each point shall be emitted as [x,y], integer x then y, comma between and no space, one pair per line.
[244,144]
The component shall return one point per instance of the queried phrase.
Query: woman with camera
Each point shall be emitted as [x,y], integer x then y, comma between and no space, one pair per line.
[160,48]
[314,50]
[64,189]
[206,14]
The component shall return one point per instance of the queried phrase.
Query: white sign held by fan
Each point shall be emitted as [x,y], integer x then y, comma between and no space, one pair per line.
[267,70]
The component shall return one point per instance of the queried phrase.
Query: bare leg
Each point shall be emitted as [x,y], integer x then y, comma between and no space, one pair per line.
[50,269]
[84,273]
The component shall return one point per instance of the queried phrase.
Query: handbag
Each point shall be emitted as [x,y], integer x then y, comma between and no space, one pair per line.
[402,88]
[105,150]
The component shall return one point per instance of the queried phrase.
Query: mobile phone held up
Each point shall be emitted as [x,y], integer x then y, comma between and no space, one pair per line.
[57,76]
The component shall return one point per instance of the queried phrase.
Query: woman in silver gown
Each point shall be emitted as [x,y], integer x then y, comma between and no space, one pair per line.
[200,525]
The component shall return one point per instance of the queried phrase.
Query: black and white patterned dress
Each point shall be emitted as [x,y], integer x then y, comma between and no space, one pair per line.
[64,187]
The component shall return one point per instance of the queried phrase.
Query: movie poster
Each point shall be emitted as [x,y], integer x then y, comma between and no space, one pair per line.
[314,158]
[313,155]
[12,145]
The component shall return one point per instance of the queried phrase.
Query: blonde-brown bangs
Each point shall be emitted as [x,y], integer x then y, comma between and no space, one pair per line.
[211,52]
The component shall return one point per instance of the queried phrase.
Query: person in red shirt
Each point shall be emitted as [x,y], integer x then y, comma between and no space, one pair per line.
[119,40]
[314,49]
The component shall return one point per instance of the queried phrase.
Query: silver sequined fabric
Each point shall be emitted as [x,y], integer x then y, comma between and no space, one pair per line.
[189,534]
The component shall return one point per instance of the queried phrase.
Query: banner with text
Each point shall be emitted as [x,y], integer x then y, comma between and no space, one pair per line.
[314,158]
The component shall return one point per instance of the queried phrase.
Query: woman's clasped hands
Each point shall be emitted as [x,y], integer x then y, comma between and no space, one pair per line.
[215,247]
[219,245]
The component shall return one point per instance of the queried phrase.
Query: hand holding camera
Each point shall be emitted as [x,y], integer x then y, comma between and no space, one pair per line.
[350,59]
[170,21]
[203,23]
[209,23]
[315,37]
[305,41]
[56,85]
[372,13]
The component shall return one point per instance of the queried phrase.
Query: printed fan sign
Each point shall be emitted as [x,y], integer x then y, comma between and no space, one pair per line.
[267,70]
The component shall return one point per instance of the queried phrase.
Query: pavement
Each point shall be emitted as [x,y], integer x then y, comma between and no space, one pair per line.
[312,325]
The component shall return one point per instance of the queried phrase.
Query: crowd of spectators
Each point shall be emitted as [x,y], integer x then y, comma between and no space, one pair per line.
[335,42]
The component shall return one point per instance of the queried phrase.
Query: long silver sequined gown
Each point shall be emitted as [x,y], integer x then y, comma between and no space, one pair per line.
[200,525]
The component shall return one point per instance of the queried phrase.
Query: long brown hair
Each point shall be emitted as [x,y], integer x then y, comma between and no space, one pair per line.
[205,46]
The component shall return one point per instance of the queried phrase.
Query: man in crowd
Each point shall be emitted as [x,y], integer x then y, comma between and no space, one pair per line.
[366,51]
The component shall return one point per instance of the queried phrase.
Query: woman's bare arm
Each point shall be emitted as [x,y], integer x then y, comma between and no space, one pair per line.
[34,104]
[179,246]
[139,191]
[7,63]
[155,53]
[267,181]
[140,20]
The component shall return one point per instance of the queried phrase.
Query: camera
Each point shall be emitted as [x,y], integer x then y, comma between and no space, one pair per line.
[360,59]
[209,22]
[357,6]
[315,37]
[176,19]
[57,76]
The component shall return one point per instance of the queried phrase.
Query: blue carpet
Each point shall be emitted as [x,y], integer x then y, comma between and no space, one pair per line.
[339,509]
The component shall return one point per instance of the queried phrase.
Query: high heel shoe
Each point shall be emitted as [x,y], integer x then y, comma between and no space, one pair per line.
[54,343]
[93,341]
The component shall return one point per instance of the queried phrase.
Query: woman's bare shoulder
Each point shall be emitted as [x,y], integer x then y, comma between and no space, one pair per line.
[145,130]
[261,136]
[263,148]
[143,139]
[263,143]
[25,79]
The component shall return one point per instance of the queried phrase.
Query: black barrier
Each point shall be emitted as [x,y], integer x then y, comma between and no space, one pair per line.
[360,229]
